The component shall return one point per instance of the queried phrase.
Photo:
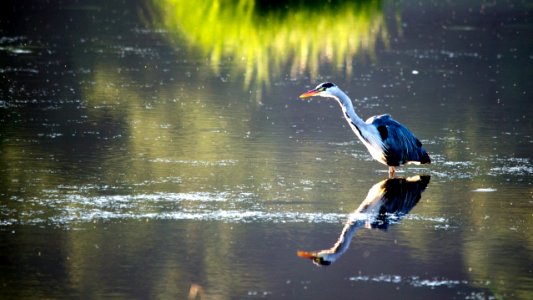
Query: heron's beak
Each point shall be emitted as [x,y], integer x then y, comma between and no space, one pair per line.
[305,254]
[309,93]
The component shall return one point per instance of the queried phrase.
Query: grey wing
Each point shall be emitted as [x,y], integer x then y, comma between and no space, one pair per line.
[400,144]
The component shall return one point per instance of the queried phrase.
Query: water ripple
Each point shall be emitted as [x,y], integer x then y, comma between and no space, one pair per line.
[414,281]
[221,206]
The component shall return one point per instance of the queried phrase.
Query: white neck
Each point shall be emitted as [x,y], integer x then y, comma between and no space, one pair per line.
[347,108]
[362,217]
[367,133]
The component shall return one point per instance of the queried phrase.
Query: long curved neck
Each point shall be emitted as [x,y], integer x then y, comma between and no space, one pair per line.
[345,238]
[357,124]
[347,107]
[362,217]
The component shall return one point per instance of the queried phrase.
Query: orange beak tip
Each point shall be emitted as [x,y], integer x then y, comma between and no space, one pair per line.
[308,94]
[305,254]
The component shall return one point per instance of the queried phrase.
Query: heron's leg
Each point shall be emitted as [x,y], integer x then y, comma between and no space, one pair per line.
[391,171]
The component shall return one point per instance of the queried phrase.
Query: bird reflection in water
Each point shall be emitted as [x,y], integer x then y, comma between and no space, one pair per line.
[387,202]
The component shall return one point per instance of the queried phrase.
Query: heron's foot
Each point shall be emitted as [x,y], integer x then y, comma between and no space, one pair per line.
[392,170]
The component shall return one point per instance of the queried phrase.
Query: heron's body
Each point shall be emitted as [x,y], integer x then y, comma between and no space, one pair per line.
[388,141]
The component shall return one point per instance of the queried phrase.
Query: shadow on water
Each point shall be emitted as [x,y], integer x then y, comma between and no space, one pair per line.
[386,203]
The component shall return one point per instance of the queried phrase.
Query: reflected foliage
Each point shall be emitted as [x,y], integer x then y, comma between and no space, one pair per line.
[262,38]
[386,203]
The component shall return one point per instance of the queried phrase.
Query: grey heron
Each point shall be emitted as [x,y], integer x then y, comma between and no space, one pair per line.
[388,141]
[386,203]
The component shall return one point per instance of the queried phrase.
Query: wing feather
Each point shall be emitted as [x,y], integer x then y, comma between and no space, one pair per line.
[399,143]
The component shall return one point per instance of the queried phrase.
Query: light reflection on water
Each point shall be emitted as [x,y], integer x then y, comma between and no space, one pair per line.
[244,207]
[130,165]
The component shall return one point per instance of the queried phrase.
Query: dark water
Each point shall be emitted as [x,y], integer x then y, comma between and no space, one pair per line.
[158,150]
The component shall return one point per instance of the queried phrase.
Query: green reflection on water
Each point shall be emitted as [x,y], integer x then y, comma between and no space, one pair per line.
[261,42]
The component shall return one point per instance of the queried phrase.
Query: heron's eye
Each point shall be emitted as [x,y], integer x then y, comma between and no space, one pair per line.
[322,89]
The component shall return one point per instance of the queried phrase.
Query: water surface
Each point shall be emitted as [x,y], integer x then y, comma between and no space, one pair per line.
[143,155]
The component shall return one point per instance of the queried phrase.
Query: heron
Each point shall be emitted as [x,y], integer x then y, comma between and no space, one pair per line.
[388,141]
[386,203]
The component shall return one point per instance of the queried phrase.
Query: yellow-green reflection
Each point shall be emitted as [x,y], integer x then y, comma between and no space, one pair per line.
[261,44]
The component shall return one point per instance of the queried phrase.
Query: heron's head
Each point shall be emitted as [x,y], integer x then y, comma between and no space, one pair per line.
[325,89]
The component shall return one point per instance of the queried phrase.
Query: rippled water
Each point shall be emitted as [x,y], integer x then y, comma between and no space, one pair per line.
[138,160]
